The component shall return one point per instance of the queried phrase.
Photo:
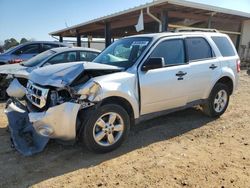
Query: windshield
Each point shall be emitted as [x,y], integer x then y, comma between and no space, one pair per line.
[38,59]
[124,52]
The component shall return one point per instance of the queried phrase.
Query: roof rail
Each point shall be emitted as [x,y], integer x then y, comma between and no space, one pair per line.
[190,29]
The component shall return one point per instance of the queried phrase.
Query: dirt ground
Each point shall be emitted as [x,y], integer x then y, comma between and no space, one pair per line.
[183,149]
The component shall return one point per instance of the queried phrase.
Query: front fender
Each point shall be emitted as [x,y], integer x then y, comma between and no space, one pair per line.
[125,95]
[122,85]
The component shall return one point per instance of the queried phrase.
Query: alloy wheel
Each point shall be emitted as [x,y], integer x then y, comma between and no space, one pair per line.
[108,129]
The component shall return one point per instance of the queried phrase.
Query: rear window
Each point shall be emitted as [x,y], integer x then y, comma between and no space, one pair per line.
[49,46]
[224,46]
[198,49]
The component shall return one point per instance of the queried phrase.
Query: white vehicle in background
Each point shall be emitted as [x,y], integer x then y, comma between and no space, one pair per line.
[134,79]
[20,71]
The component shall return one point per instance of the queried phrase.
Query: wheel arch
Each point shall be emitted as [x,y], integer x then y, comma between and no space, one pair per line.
[228,81]
[123,103]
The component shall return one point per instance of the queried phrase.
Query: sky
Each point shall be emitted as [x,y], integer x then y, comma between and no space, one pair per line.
[34,19]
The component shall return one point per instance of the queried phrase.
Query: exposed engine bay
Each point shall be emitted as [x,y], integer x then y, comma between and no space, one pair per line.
[51,102]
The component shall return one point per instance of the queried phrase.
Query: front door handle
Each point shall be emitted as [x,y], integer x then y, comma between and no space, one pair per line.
[180,74]
[213,66]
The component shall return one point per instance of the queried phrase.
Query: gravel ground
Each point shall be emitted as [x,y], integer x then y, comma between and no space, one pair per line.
[183,149]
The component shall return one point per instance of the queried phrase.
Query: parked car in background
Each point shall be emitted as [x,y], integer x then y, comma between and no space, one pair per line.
[49,57]
[27,50]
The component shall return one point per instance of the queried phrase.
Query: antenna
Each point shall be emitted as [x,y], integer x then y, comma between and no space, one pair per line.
[66,23]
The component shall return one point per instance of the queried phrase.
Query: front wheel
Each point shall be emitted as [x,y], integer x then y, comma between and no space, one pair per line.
[218,101]
[106,128]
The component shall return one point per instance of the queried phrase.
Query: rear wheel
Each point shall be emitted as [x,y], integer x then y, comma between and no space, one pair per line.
[106,128]
[218,101]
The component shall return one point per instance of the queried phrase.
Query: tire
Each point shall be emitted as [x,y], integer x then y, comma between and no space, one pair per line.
[216,105]
[104,121]
[3,94]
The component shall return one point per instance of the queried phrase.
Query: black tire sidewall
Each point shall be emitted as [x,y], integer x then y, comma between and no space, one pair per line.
[89,126]
[218,87]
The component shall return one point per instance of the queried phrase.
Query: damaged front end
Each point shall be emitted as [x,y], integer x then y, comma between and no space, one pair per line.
[51,107]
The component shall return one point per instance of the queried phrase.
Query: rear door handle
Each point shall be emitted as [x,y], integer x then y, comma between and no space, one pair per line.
[180,74]
[213,66]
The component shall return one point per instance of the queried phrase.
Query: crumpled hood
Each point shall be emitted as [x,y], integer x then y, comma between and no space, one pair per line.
[61,75]
[15,69]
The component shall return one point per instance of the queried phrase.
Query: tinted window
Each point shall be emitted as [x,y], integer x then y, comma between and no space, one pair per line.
[171,50]
[198,48]
[63,58]
[29,49]
[224,46]
[88,56]
[49,46]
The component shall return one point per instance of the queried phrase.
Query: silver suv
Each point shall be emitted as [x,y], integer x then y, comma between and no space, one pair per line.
[134,79]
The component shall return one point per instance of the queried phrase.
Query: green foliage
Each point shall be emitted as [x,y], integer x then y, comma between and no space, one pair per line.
[1,49]
[23,40]
[10,43]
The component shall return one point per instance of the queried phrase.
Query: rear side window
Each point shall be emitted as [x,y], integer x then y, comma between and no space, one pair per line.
[198,49]
[49,46]
[87,56]
[224,46]
[172,51]
[63,58]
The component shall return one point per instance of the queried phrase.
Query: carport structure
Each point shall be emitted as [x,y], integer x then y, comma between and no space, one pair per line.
[159,16]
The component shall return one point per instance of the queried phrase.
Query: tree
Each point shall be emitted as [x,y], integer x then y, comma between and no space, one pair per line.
[1,49]
[10,43]
[23,40]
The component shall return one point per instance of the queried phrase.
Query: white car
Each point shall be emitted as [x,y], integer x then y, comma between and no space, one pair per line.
[134,79]
[49,57]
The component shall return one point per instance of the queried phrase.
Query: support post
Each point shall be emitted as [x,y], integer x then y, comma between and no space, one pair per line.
[209,22]
[107,34]
[164,20]
[238,39]
[78,40]
[60,38]
[88,43]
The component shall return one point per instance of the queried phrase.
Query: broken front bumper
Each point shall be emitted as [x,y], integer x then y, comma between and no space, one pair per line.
[58,122]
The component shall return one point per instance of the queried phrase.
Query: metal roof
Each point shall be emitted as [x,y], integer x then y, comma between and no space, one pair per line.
[182,3]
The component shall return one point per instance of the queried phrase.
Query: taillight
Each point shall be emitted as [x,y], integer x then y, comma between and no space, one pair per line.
[13,61]
[238,65]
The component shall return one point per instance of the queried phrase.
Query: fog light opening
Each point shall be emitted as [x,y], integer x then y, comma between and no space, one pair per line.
[45,131]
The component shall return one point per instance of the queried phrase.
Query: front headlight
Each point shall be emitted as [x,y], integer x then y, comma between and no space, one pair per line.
[91,91]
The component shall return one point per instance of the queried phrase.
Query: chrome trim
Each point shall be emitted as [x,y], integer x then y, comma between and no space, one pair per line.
[36,95]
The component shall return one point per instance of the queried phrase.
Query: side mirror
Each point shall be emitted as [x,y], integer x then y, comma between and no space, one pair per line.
[153,63]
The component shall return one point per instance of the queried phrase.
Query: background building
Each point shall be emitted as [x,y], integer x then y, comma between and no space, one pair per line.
[162,16]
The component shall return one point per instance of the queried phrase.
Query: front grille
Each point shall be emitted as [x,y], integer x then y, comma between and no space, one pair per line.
[36,95]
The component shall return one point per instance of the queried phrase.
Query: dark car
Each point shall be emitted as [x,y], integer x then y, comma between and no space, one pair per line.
[27,50]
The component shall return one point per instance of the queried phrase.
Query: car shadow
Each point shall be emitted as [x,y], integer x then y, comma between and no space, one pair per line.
[59,159]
